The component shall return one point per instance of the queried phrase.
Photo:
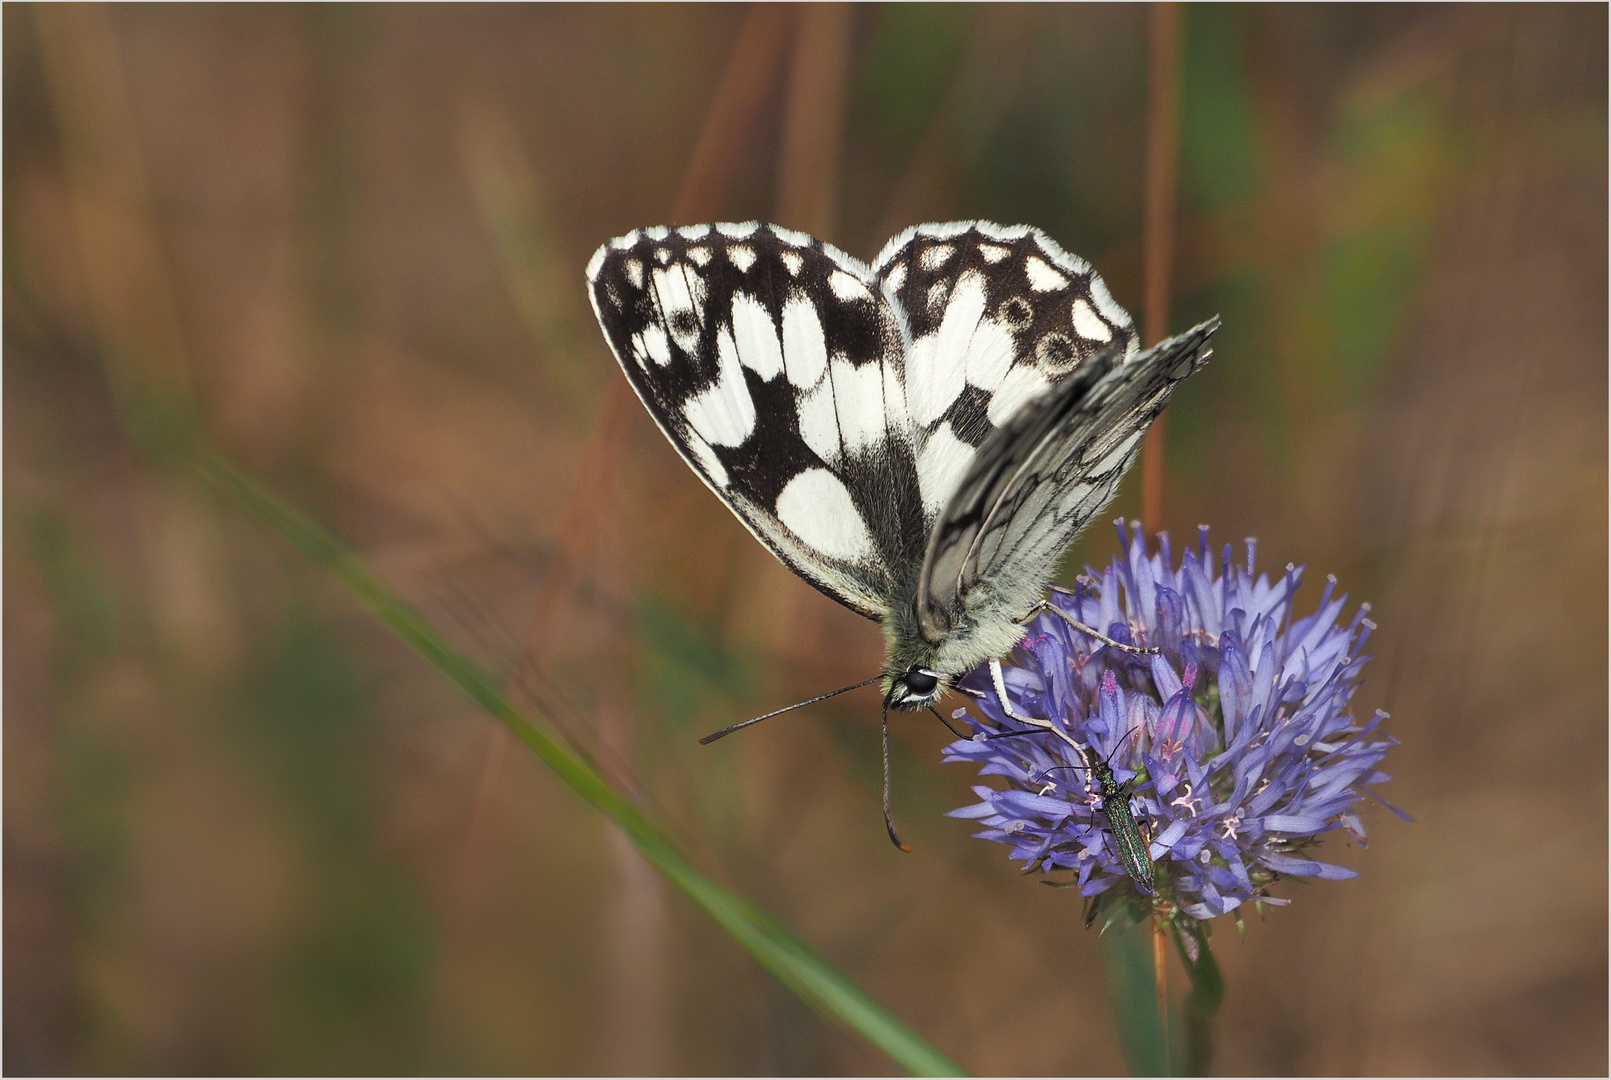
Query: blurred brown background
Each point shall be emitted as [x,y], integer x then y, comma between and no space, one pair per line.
[247,830]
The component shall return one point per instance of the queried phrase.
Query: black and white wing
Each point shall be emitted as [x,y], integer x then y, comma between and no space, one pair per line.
[773,365]
[1036,481]
[995,316]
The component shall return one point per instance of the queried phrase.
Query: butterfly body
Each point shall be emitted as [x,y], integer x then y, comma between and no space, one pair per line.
[919,439]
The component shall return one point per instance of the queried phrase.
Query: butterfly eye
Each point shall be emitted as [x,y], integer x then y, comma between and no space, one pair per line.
[921,683]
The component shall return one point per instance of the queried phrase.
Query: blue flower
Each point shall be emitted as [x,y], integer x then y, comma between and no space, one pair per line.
[1234,741]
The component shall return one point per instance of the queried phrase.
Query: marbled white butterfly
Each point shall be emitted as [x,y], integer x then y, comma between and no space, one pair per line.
[920,439]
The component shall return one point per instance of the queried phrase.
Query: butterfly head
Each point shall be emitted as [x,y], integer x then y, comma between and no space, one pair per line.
[915,688]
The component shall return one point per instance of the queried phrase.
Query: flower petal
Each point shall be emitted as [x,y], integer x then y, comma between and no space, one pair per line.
[1286,864]
[1226,790]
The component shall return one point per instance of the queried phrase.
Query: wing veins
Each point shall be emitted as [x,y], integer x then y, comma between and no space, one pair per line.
[1093,372]
[749,476]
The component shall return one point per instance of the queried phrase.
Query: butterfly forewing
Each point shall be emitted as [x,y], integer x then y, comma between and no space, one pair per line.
[920,439]
[773,365]
[995,317]
[1039,479]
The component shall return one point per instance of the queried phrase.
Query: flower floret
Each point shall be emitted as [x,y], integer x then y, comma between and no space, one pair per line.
[1233,741]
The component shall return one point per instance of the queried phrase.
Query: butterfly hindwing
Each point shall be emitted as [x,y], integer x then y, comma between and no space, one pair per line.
[772,363]
[1038,480]
[995,317]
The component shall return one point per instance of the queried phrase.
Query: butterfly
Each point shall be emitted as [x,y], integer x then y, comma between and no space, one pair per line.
[920,439]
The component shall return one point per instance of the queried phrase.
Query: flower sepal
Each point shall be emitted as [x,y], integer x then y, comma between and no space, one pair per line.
[1116,909]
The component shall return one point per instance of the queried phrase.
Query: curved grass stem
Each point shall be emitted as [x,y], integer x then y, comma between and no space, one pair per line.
[794,964]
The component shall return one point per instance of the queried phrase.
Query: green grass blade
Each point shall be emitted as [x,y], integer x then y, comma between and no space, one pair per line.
[800,969]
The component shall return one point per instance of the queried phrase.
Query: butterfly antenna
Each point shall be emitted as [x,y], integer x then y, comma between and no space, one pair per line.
[889,818]
[726,731]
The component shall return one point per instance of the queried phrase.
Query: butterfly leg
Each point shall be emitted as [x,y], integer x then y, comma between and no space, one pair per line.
[1089,631]
[1000,684]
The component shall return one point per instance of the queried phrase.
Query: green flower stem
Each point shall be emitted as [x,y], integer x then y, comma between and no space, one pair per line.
[1135,998]
[1207,991]
[804,972]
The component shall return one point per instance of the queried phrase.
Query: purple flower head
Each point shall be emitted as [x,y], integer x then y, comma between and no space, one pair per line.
[1234,741]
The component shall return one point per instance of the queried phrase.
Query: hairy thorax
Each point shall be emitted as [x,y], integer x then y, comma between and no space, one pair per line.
[978,637]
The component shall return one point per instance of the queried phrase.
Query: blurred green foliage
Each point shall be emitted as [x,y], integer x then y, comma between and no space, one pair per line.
[904,67]
[236,848]
[1217,137]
